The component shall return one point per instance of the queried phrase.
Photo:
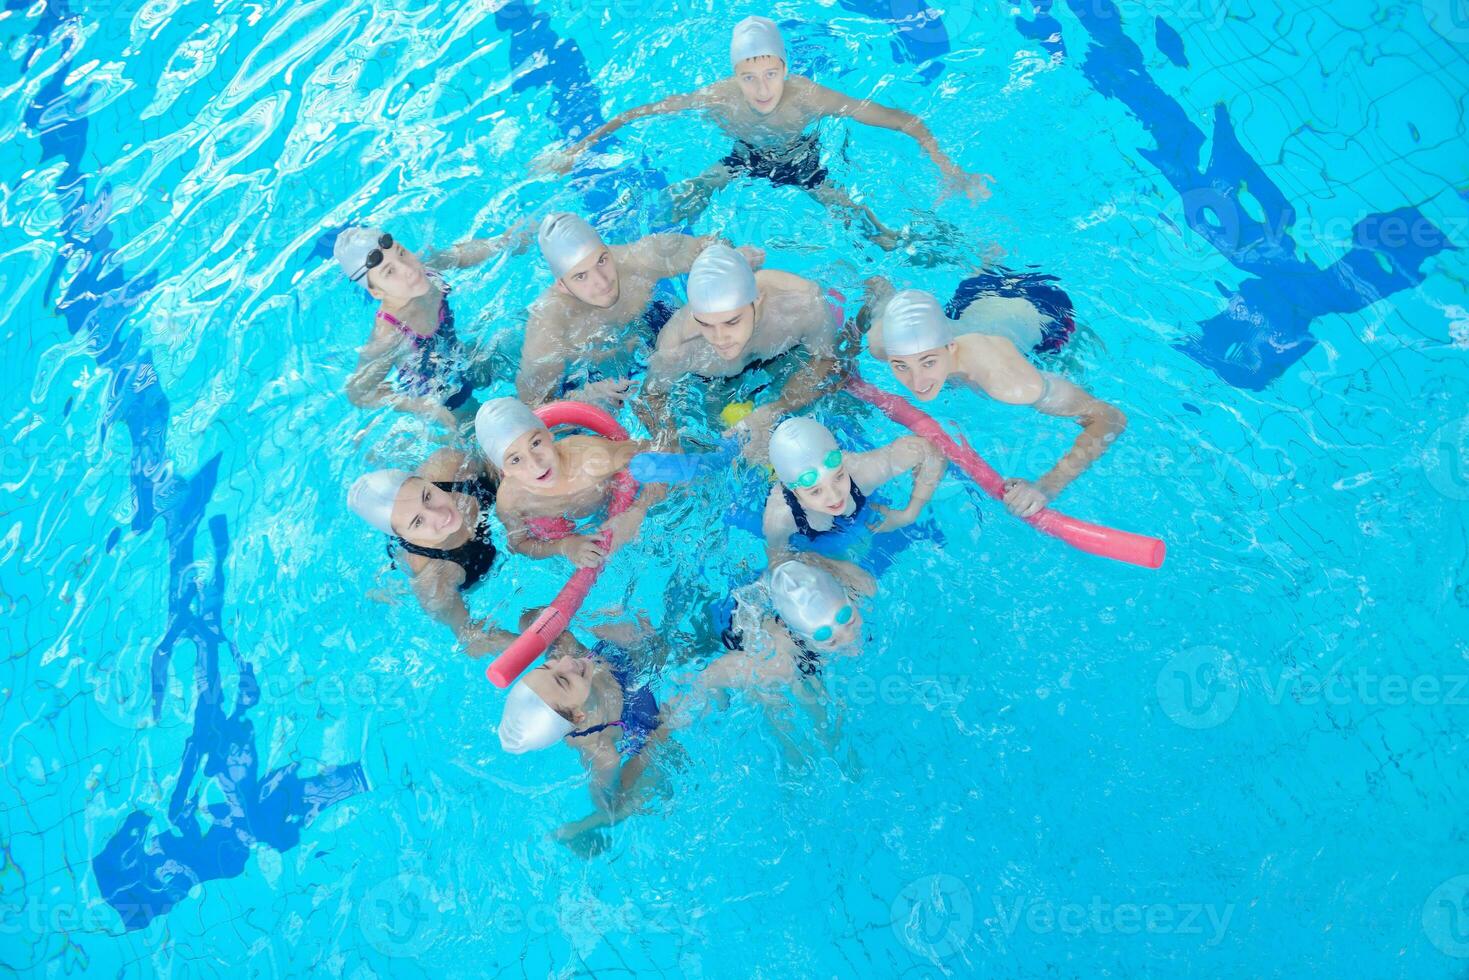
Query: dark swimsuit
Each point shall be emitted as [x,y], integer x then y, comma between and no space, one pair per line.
[1052,301]
[439,355]
[839,523]
[477,554]
[639,709]
[797,164]
[652,320]
[808,661]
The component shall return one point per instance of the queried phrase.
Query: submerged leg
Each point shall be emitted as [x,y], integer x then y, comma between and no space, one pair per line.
[836,199]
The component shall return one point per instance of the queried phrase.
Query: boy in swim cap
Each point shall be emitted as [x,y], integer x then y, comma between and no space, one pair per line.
[925,350]
[438,517]
[413,332]
[601,306]
[822,490]
[767,112]
[590,701]
[737,318]
[548,484]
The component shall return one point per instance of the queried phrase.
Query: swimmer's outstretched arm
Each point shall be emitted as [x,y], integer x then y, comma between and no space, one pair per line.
[674,103]
[474,251]
[542,359]
[904,455]
[876,293]
[367,387]
[832,103]
[1101,425]
[437,589]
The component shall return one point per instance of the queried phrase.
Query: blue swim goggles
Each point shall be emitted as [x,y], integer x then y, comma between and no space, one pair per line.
[843,617]
[808,479]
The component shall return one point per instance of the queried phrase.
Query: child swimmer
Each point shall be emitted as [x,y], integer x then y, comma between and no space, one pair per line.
[767,112]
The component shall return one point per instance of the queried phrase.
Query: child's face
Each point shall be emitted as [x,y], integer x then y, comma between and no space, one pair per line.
[531,459]
[565,683]
[843,635]
[425,515]
[398,278]
[830,494]
[924,373]
[761,81]
[728,333]
[593,280]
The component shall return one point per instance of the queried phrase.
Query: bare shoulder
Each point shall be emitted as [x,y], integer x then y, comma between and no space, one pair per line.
[447,464]
[786,282]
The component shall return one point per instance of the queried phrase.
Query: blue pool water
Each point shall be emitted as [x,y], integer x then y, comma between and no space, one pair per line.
[231,741]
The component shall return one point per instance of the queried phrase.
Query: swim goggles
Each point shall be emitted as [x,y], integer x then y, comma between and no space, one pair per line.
[843,617]
[375,257]
[808,479]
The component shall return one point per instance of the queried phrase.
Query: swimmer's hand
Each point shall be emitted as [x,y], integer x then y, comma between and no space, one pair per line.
[755,426]
[554,160]
[964,184]
[1025,499]
[614,391]
[582,551]
[892,520]
[754,256]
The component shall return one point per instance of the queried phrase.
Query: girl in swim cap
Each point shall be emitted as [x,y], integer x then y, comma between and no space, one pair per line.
[591,701]
[438,520]
[781,657]
[549,484]
[926,350]
[413,339]
[822,490]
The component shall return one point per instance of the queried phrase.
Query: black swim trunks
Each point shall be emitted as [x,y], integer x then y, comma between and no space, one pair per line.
[797,164]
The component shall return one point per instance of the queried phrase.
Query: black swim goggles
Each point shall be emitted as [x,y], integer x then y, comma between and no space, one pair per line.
[375,257]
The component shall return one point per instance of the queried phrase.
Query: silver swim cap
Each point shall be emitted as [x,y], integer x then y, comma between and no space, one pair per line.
[529,723]
[755,37]
[371,497]
[501,421]
[565,240]
[914,322]
[798,445]
[351,248]
[807,598]
[720,281]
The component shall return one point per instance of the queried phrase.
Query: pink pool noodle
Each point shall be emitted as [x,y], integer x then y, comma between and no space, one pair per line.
[554,619]
[1136,549]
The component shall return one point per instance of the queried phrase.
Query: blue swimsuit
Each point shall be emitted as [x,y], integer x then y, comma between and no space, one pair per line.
[639,709]
[440,355]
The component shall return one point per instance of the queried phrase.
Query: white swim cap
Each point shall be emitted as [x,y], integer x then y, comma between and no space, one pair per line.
[720,280]
[565,240]
[371,497]
[351,248]
[529,723]
[755,37]
[499,422]
[913,322]
[807,598]
[798,445]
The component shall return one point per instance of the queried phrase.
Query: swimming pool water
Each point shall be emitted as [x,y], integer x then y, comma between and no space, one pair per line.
[1249,763]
